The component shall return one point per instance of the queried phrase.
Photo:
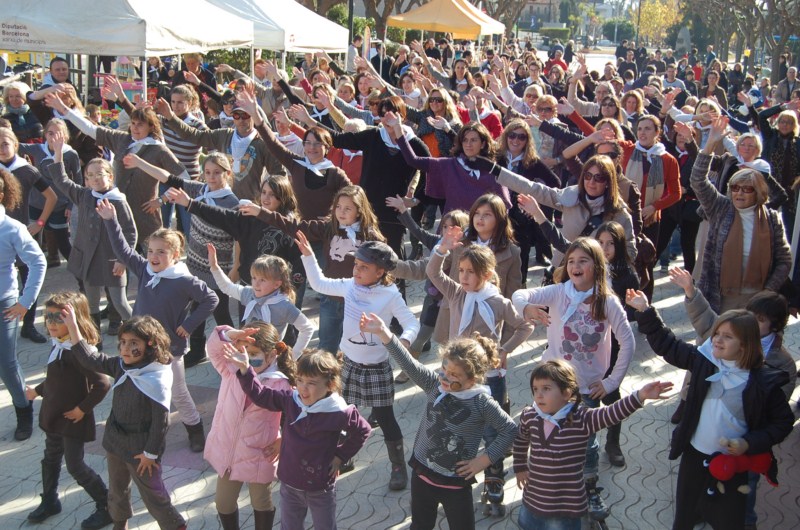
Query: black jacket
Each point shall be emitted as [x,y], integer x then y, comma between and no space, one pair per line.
[769,417]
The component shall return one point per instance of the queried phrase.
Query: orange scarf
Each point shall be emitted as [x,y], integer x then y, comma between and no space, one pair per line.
[732,278]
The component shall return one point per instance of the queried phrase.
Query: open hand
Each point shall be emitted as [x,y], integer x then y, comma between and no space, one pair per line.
[145,464]
[106,210]
[654,390]
[302,243]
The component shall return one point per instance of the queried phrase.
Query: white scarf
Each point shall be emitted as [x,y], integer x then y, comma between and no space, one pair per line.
[17,163]
[463,394]
[407,132]
[318,114]
[554,418]
[225,121]
[414,94]
[352,154]
[575,297]
[481,243]
[332,403]
[207,196]
[136,145]
[272,373]
[153,380]
[239,147]
[758,164]
[58,349]
[657,149]
[178,270]
[478,298]
[352,230]
[263,304]
[66,148]
[112,195]
[766,343]
[474,173]
[729,374]
[513,160]
[315,168]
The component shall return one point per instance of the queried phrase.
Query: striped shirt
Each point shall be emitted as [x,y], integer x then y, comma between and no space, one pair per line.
[187,153]
[555,463]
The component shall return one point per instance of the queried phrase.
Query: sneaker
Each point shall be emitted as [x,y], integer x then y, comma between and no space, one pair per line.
[664,268]
[598,511]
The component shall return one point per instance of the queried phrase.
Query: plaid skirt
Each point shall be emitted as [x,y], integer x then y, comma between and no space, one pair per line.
[367,386]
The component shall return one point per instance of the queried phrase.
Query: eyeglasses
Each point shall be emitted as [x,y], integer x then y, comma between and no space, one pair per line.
[747,190]
[747,146]
[240,116]
[532,96]
[434,99]
[545,109]
[311,144]
[785,121]
[517,136]
[53,317]
[597,177]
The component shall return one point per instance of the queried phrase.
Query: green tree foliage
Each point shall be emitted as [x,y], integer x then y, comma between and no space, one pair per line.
[625,29]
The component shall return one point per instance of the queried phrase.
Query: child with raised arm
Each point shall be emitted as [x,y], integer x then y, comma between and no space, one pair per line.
[136,429]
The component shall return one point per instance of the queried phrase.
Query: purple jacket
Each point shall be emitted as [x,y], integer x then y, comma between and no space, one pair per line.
[308,446]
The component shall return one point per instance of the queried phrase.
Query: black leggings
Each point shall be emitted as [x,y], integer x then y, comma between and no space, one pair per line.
[388,423]
[425,501]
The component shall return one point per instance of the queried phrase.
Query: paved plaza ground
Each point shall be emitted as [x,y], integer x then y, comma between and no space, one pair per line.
[640,494]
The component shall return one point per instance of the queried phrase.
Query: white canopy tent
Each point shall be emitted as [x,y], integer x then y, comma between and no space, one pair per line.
[120,27]
[285,25]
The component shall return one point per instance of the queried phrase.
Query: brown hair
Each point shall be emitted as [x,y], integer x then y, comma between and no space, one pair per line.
[563,375]
[80,305]
[268,339]
[150,118]
[482,260]
[369,231]
[613,203]
[188,92]
[503,234]
[529,154]
[284,192]
[475,355]
[487,150]
[591,248]
[320,363]
[10,189]
[175,240]
[153,334]
[321,134]
[275,268]
[61,125]
[772,306]
[745,326]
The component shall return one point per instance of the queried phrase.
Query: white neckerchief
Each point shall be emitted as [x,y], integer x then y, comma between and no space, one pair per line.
[17,163]
[207,196]
[318,114]
[272,373]
[332,403]
[463,394]
[478,298]
[596,205]
[657,149]
[58,349]
[481,243]
[407,132]
[474,173]
[153,380]
[136,145]
[239,147]
[352,230]
[263,304]
[414,94]
[575,297]
[315,168]
[766,343]
[554,418]
[66,148]
[225,121]
[178,270]
[729,374]
[352,154]
[680,151]
[758,164]
[512,160]
[112,195]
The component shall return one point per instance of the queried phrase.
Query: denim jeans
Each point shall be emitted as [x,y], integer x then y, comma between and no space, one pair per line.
[168,208]
[529,521]
[592,464]
[10,370]
[295,504]
[750,516]
[331,317]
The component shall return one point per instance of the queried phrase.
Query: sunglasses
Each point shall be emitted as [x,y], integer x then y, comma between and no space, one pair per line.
[240,116]
[735,188]
[517,136]
[312,144]
[545,109]
[597,177]
[435,100]
[53,317]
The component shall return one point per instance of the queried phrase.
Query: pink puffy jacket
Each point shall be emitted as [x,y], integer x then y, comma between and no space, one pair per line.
[240,435]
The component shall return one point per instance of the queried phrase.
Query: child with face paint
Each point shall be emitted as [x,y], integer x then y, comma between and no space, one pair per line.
[136,429]
[244,440]
[446,454]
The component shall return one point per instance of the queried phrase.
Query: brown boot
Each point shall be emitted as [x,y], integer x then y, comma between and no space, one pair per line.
[399,476]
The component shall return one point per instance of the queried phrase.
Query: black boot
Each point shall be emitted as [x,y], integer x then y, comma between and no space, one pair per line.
[97,490]
[50,504]
[96,319]
[197,438]
[615,456]
[32,334]
[399,477]
[197,350]
[263,519]
[24,422]
[229,521]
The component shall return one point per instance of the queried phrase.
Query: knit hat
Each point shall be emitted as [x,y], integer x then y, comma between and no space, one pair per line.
[377,253]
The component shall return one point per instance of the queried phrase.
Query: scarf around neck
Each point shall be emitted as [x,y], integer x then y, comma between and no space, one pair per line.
[238,149]
[463,394]
[58,348]
[575,298]
[262,304]
[654,188]
[209,197]
[316,168]
[66,148]
[332,403]
[755,273]
[474,173]
[555,418]
[17,163]
[178,270]
[136,145]
[408,133]
[112,195]
[728,373]
[352,154]
[272,373]
[153,380]
[352,230]
[478,298]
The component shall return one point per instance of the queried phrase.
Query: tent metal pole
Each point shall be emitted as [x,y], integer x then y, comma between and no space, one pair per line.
[252,62]
[383,49]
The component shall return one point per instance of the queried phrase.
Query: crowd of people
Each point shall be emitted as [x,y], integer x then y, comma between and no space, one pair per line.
[281,183]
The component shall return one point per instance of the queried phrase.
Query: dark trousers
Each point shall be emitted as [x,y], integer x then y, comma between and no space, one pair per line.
[723,511]
[651,232]
[688,236]
[425,501]
[30,316]
[70,450]
[388,423]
